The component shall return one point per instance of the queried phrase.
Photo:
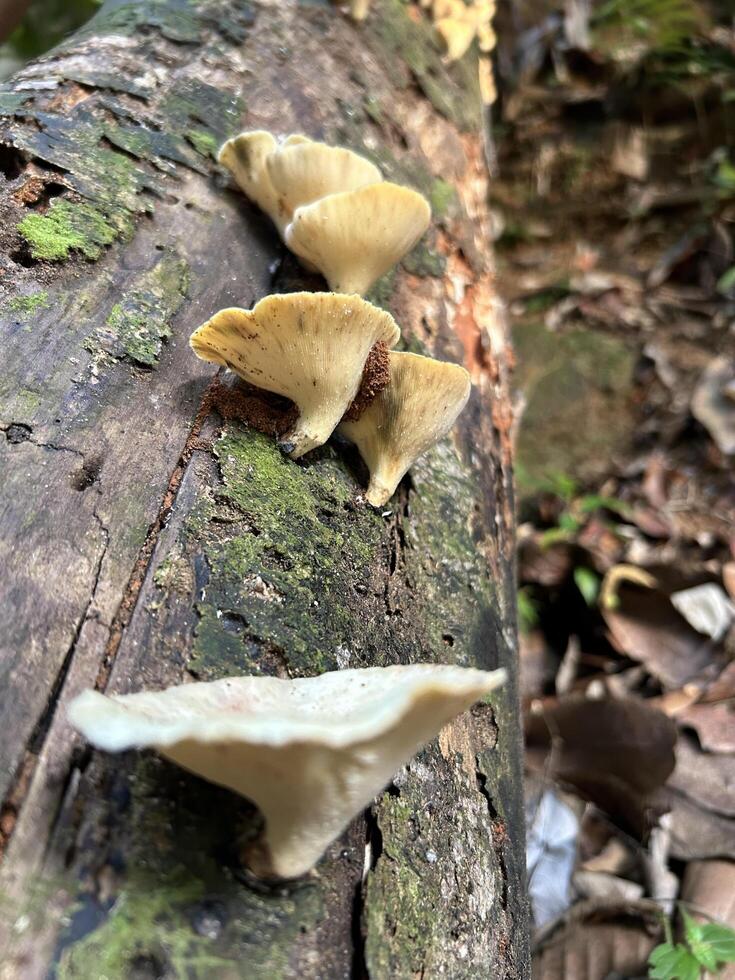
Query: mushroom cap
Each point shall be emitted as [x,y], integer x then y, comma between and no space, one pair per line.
[355,237]
[416,410]
[311,752]
[303,173]
[309,347]
[245,157]
[457,35]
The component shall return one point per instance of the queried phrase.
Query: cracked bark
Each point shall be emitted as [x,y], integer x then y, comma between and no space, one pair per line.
[146,540]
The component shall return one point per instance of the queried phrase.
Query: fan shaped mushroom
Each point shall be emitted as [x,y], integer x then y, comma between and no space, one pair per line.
[245,157]
[302,173]
[416,410]
[355,237]
[309,347]
[311,752]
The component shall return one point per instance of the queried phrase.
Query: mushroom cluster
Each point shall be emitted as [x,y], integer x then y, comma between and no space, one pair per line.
[458,24]
[331,206]
[311,752]
[334,210]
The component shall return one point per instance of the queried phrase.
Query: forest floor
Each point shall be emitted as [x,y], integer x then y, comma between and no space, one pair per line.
[615,225]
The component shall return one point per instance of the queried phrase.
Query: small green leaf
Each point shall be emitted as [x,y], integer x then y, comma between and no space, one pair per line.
[721,940]
[593,501]
[726,282]
[568,522]
[588,584]
[669,962]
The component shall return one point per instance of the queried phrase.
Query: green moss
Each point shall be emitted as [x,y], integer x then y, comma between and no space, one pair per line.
[424,261]
[408,44]
[443,198]
[381,292]
[138,325]
[176,830]
[203,142]
[67,227]
[24,308]
[577,387]
[301,605]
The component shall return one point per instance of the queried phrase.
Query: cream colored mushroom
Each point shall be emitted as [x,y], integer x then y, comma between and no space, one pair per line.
[355,237]
[245,157]
[311,753]
[417,409]
[457,35]
[301,174]
[309,347]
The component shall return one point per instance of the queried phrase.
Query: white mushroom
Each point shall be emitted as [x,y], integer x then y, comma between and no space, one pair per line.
[311,753]
[416,410]
[355,237]
[309,347]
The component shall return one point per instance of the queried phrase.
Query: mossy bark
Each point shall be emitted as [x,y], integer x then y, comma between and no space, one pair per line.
[145,541]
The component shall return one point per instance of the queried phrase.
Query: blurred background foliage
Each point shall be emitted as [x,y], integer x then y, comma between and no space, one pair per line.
[45,23]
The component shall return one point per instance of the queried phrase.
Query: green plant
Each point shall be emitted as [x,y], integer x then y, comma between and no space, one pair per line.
[663,25]
[527,610]
[707,947]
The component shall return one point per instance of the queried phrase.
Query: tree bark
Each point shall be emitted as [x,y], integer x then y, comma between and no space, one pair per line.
[146,541]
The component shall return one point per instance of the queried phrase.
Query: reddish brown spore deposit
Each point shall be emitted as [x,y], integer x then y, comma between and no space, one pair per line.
[263,410]
[375,377]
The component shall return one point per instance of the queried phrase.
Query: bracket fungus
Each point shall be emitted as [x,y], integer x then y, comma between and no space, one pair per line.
[311,753]
[279,177]
[309,347]
[416,410]
[353,238]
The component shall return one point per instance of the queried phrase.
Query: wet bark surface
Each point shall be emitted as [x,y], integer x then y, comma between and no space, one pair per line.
[147,541]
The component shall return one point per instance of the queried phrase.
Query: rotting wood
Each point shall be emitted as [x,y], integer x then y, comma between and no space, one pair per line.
[146,541]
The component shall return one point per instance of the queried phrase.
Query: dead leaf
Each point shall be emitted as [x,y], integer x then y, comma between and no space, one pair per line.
[611,888]
[708,780]
[646,627]
[616,753]
[551,848]
[713,405]
[723,687]
[706,608]
[728,577]
[538,664]
[614,858]
[698,833]
[713,723]
[595,941]
[710,887]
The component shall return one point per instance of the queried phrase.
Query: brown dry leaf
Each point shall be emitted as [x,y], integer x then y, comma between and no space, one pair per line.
[728,577]
[713,723]
[537,662]
[722,688]
[616,753]
[546,565]
[602,885]
[595,941]
[646,627]
[707,779]
[710,887]
[614,858]
[674,702]
[698,833]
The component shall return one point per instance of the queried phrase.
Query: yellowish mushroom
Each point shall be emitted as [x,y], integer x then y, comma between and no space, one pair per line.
[457,35]
[245,156]
[355,237]
[311,753]
[416,410]
[303,173]
[309,347]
